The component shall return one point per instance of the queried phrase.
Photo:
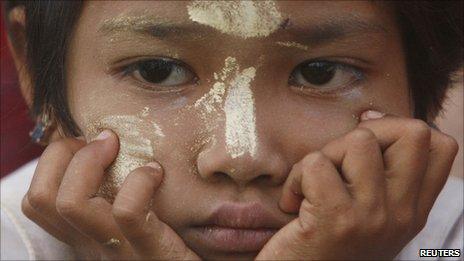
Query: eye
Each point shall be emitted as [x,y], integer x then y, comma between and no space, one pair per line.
[161,72]
[324,75]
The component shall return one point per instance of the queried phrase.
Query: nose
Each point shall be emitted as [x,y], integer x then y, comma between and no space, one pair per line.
[265,166]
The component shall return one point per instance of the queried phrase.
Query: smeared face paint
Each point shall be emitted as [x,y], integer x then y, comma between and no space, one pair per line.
[293,45]
[240,115]
[276,80]
[238,107]
[238,18]
[135,150]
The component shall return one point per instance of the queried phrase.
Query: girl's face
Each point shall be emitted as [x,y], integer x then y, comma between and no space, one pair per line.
[227,97]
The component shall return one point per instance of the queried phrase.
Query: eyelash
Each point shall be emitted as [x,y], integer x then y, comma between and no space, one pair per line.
[128,70]
[357,71]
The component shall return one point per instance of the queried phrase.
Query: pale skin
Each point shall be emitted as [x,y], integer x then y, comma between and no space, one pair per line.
[343,187]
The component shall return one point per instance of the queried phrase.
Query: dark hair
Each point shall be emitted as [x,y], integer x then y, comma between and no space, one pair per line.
[431,33]
[49,26]
[432,40]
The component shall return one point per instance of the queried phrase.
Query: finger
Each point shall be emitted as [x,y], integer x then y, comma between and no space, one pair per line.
[406,145]
[291,192]
[132,205]
[76,201]
[360,161]
[443,150]
[40,200]
[52,165]
[317,179]
[150,237]
[44,223]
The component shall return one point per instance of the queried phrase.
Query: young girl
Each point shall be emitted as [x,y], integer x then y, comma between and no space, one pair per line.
[235,130]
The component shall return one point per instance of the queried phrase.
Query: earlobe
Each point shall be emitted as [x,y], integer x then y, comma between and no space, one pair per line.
[17,42]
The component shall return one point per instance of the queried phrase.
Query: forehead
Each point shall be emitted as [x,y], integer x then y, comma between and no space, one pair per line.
[269,14]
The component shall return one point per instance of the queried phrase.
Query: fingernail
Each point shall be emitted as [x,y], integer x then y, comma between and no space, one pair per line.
[154,165]
[103,135]
[371,115]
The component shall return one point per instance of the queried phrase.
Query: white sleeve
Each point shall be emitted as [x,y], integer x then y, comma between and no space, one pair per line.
[15,243]
[455,239]
[444,228]
[22,239]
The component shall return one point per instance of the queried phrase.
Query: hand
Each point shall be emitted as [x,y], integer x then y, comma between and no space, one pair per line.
[61,199]
[364,195]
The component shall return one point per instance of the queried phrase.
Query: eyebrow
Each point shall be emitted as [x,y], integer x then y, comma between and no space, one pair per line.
[148,25]
[337,28]
[326,31]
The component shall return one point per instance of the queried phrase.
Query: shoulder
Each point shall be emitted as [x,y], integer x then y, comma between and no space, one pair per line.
[21,238]
[444,228]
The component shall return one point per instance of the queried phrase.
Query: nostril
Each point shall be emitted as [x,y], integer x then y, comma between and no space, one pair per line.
[234,176]
[220,176]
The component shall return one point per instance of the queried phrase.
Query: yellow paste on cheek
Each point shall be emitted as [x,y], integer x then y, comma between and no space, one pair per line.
[134,149]
[238,18]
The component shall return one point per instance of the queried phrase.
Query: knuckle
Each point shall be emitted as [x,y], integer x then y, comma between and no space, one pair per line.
[124,216]
[419,129]
[361,135]
[67,207]
[26,208]
[39,199]
[450,144]
[314,160]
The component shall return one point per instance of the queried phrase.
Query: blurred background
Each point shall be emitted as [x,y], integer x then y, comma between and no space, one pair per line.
[17,149]
[451,121]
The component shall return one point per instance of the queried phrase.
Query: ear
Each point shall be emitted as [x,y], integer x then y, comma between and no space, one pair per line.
[18,45]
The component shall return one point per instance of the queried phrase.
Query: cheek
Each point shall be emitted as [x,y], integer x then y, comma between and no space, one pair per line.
[146,132]
[303,127]
[304,124]
[139,137]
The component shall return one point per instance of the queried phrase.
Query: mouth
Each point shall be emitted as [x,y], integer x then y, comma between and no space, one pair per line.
[238,228]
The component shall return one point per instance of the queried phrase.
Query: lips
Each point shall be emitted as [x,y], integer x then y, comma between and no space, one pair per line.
[234,227]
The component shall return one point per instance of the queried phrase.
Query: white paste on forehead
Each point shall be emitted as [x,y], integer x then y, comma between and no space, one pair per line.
[238,18]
